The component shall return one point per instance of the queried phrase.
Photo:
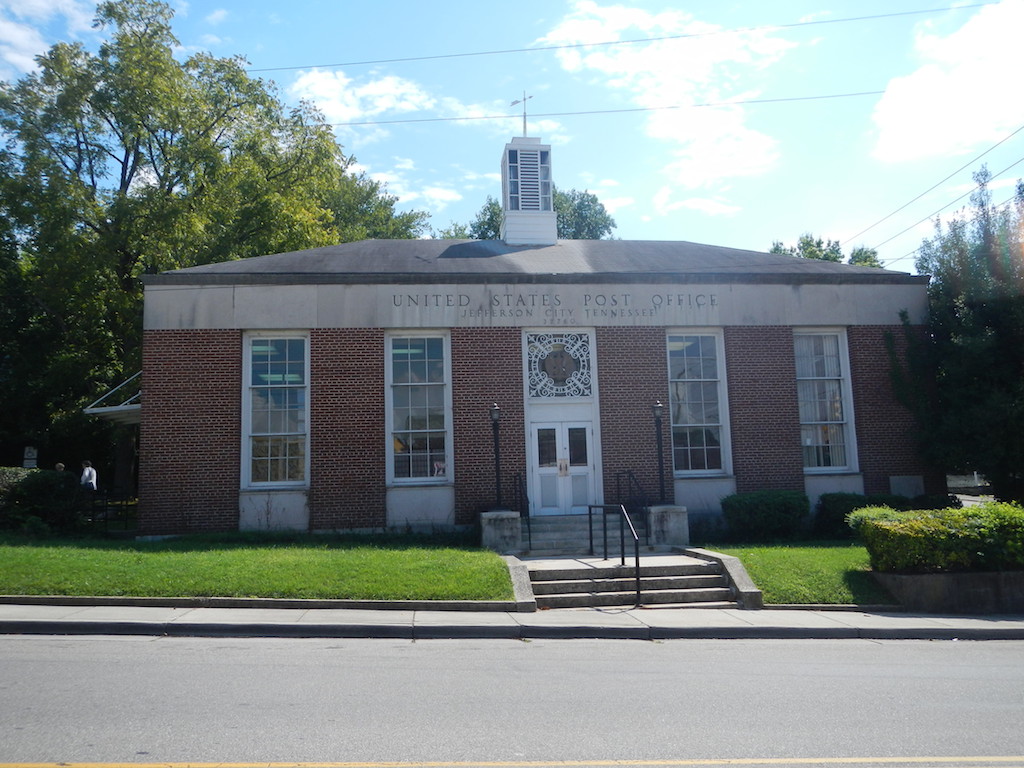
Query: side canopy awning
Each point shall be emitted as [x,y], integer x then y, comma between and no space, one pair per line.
[122,404]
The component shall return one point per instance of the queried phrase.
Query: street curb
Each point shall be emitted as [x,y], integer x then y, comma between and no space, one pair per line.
[488,606]
[483,632]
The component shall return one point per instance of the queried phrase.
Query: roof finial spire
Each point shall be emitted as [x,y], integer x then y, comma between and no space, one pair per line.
[523,102]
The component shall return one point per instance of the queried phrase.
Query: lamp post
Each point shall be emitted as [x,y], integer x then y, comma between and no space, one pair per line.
[496,427]
[659,411]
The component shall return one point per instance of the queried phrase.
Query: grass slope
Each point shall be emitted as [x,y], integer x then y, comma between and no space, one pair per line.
[830,573]
[377,568]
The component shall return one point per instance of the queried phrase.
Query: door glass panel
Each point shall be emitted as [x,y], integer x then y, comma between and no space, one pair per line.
[549,491]
[578,446]
[547,448]
[580,490]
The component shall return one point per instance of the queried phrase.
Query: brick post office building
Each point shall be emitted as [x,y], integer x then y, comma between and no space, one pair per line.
[351,387]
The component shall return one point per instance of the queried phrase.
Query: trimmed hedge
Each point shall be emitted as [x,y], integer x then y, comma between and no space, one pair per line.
[987,537]
[833,509]
[766,515]
[42,499]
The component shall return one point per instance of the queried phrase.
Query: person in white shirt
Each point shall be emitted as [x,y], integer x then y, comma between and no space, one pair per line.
[88,476]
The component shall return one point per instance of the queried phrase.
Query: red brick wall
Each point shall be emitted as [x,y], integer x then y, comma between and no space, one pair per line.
[886,432]
[487,368]
[189,440]
[761,375]
[347,441]
[191,430]
[633,374]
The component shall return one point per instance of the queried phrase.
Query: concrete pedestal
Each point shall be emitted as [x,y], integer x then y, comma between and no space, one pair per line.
[669,524]
[501,530]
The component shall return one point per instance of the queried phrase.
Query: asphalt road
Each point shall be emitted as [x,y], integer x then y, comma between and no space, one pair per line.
[135,700]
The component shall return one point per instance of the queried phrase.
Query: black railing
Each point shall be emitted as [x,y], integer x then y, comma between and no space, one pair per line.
[624,521]
[522,503]
[111,510]
[634,498]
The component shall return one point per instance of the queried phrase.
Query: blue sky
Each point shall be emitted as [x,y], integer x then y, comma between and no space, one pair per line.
[730,123]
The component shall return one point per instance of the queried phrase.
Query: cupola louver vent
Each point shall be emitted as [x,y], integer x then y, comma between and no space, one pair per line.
[529,180]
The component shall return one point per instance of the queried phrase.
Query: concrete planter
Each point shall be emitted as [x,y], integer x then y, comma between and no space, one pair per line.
[669,524]
[501,530]
[973,593]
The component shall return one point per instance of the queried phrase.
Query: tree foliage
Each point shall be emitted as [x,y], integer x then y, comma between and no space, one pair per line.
[974,352]
[579,216]
[127,161]
[810,247]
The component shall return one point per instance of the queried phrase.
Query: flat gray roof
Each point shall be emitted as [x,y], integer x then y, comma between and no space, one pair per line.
[493,261]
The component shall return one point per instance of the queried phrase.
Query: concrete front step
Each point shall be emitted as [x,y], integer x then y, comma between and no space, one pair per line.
[647,583]
[586,573]
[649,597]
[575,585]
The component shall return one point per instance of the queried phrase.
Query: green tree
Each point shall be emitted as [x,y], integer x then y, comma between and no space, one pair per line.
[127,161]
[579,216]
[454,231]
[487,223]
[865,257]
[973,417]
[362,209]
[810,247]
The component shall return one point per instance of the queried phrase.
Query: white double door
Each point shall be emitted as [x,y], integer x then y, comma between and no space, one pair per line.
[564,469]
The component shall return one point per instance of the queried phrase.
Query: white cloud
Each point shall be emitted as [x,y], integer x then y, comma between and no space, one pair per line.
[960,96]
[614,204]
[438,198]
[21,36]
[344,100]
[664,204]
[708,146]
[217,16]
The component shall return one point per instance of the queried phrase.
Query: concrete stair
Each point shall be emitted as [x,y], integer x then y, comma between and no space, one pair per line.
[573,584]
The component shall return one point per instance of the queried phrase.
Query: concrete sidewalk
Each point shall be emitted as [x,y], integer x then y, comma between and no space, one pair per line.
[516,619]
[421,623]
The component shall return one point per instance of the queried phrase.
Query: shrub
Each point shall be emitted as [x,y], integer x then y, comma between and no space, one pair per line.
[859,517]
[765,515]
[987,537]
[42,496]
[9,477]
[833,510]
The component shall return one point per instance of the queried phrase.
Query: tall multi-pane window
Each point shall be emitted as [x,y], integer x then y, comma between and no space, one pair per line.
[821,388]
[695,379]
[277,396]
[419,417]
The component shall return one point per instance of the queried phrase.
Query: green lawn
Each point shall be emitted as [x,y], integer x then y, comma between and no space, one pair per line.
[388,567]
[808,573]
[237,565]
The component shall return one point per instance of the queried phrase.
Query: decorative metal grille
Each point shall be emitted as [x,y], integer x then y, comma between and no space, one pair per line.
[559,364]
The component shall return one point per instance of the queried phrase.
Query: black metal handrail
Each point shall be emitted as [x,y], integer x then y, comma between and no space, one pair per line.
[635,497]
[522,503]
[624,521]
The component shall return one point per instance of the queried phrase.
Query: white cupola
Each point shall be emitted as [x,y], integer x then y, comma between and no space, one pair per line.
[527,193]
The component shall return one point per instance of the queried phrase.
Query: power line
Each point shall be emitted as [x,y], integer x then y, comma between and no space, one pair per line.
[940,210]
[954,173]
[619,42]
[913,253]
[613,111]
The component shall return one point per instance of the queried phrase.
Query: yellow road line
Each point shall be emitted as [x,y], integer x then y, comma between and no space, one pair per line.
[995,760]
